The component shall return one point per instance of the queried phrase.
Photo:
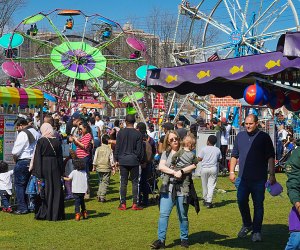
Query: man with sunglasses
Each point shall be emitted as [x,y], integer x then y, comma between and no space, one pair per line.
[128,155]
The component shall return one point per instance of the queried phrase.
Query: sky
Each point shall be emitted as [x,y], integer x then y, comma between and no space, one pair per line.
[138,11]
[117,10]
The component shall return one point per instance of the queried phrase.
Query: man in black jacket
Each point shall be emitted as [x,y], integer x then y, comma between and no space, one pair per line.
[128,155]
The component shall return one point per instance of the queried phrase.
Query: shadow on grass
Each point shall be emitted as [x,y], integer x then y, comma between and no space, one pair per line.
[223,203]
[200,238]
[92,214]
[272,239]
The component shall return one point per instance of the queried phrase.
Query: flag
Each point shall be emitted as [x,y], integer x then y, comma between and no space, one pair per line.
[213,57]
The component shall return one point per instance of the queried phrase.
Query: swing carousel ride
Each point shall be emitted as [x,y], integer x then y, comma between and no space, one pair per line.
[65,59]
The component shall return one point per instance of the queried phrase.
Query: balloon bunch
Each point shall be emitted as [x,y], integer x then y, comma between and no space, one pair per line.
[256,95]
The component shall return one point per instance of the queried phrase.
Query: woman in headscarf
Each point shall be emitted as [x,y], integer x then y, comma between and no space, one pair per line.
[48,166]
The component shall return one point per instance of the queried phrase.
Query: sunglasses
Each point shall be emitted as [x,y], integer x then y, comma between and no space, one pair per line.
[173,139]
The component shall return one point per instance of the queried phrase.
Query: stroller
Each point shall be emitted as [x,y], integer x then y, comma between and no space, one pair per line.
[279,165]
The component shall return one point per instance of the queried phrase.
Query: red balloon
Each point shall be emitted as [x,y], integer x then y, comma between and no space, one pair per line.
[253,94]
[292,101]
[277,99]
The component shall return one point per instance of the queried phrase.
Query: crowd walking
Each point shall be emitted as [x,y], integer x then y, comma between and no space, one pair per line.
[128,150]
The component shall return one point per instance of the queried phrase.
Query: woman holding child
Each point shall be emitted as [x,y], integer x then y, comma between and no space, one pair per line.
[48,165]
[174,194]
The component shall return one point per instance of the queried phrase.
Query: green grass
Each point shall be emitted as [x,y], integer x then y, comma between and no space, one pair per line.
[109,228]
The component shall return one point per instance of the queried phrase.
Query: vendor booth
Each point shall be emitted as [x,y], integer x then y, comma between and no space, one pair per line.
[12,101]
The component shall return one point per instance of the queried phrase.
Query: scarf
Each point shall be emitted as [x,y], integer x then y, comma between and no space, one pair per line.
[47,130]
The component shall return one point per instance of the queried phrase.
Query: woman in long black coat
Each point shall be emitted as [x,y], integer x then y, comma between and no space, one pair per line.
[48,165]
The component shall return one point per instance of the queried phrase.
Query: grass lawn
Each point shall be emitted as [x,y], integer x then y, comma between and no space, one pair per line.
[109,228]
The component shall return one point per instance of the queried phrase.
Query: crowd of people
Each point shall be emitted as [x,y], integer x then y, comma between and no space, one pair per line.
[128,149]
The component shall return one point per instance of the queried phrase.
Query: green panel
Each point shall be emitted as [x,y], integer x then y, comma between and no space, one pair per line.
[33,19]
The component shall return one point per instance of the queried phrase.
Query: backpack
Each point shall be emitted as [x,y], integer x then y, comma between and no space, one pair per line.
[147,153]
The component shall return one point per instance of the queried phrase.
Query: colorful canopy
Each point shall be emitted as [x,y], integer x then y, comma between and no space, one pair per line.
[33,19]
[224,77]
[134,97]
[136,44]
[69,12]
[11,41]
[13,69]
[107,21]
[49,97]
[22,97]
[141,71]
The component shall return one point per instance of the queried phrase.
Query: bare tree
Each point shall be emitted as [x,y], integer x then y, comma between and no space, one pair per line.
[7,9]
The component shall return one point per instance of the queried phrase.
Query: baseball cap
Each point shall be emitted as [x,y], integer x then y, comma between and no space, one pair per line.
[76,115]
[168,126]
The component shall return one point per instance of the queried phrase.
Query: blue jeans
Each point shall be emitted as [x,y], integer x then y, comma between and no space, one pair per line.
[79,202]
[166,206]
[294,241]
[22,174]
[4,198]
[257,191]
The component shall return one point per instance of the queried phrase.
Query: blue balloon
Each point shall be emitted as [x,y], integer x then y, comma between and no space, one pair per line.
[266,97]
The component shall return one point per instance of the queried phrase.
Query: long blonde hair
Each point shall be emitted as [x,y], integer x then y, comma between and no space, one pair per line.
[166,146]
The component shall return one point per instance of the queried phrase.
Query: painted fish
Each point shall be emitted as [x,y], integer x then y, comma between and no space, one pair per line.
[203,74]
[271,64]
[170,78]
[236,69]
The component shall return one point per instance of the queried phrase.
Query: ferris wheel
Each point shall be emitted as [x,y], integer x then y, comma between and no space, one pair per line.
[59,53]
[231,28]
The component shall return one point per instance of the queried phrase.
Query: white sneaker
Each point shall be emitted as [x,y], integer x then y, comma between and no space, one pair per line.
[256,237]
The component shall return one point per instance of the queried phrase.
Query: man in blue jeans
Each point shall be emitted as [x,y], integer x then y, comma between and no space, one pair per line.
[128,155]
[255,151]
[22,154]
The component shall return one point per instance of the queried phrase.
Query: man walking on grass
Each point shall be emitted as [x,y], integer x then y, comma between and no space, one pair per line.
[128,155]
[255,152]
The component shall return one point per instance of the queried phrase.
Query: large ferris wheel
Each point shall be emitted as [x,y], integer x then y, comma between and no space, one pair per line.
[231,28]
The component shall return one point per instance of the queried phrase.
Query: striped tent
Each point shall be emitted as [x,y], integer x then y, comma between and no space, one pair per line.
[22,97]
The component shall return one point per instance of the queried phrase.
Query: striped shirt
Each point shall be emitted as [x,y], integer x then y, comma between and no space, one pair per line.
[86,140]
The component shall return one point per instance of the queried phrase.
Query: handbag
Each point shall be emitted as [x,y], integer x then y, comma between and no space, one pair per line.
[35,186]
[31,185]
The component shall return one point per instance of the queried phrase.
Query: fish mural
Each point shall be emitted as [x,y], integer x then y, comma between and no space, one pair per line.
[202,74]
[236,69]
[271,64]
[170,78]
